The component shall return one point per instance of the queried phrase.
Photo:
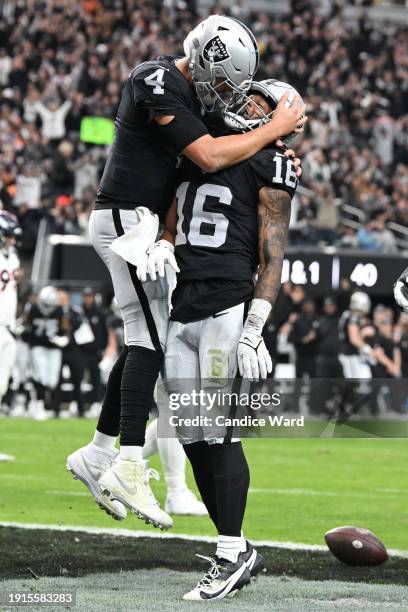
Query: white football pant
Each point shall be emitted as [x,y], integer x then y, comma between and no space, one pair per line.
[203,355]
[355,366]
[8,352]
[143,306]
[46,366]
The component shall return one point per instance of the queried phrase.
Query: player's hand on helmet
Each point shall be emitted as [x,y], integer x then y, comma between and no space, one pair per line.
[160,254]
[292,156]
[254,360]
[401,291]
[289,118]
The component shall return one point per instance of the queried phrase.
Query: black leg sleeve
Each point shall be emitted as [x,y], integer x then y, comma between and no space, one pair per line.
[139,377]
[109,419]
[231,476]
[198,455]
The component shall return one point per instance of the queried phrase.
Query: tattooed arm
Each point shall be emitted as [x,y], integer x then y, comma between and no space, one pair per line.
[273,216]
[254,361]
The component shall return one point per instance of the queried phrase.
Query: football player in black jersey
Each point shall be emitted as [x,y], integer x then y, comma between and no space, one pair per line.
[355,354]
[159,118]
[230,224]
[46,332]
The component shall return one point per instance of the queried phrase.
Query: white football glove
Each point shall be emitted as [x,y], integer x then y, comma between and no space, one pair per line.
[254,361]
[401,291]
[160,254]
[60,341]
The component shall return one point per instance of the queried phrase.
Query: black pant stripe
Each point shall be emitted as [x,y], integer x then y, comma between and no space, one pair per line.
[151,325]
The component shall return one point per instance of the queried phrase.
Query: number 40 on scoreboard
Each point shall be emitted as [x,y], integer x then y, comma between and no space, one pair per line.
[322,272]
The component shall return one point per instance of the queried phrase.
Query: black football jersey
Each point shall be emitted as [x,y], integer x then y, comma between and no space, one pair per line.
[346,348]
[40,327]
[217,229]
[141,167]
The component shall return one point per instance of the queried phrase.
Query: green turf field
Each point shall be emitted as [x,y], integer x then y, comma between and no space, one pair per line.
[299,488]
[158,590]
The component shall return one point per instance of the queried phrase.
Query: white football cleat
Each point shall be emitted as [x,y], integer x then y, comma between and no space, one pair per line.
[184,502]
[128,482]
[37,410]
[87,464]
[94,411]
[5,457]
[222,580]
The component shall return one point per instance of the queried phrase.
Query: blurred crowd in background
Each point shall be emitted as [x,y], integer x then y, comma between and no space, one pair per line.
[61,61]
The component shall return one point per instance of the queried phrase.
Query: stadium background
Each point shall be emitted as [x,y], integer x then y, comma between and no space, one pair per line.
[62,65]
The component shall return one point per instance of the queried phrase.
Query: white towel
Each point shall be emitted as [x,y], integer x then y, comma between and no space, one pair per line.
[133,245]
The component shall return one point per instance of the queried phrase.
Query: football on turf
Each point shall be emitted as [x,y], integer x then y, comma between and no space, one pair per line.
[356,546]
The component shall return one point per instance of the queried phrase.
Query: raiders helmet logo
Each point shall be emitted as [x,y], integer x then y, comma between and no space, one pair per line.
[215,50]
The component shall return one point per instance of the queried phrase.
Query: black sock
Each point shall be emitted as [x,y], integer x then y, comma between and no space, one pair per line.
[231,477]
[198,455]
[109,419]
[39,390]
[139,377]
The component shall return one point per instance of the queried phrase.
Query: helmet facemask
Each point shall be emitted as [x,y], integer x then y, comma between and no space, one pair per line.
[257,106]
[220,93]
[248,112]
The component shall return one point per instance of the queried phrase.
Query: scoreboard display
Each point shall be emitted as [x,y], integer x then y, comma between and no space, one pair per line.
[319,270]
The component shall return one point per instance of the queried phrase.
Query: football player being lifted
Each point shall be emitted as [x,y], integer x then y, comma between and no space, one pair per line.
[159,118]
[230,224]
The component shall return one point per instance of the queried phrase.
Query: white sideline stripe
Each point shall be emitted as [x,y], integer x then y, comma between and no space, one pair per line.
[129,533]
[315,493]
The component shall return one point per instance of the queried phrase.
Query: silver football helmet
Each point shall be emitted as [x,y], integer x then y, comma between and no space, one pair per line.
[238,117]
[221,51]
[360,301]
[47,300]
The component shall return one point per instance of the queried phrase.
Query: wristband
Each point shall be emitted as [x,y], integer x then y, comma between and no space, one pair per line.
[163,243]
[257,315]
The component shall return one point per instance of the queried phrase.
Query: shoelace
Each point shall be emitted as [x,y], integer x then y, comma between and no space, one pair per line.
[212,573]
[151,473]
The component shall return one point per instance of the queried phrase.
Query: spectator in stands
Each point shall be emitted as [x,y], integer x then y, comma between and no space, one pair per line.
[384,236]
[53,116]
[354,78]
[327,214]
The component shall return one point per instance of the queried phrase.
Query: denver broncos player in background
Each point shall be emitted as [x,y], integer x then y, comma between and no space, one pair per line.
[10,273]
[159,118]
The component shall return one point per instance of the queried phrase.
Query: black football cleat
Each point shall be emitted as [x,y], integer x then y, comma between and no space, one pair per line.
[253,560]
[222,579]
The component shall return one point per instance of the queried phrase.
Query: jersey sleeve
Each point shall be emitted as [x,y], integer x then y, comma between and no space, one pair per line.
[272,169]
[157,90]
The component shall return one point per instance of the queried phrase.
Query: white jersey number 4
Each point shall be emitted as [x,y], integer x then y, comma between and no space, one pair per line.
[156,81]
